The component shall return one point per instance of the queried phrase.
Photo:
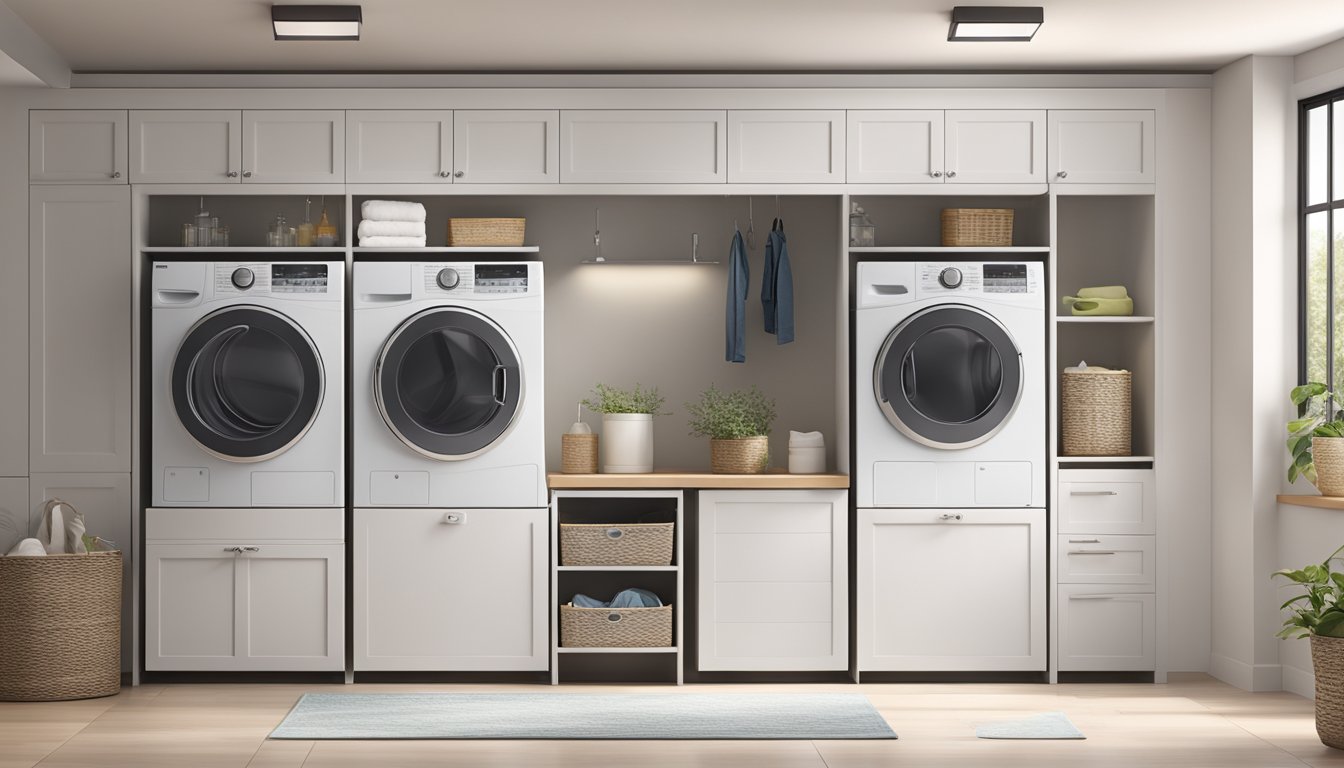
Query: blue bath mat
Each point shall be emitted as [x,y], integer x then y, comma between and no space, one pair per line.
[1051,725]
[582,716]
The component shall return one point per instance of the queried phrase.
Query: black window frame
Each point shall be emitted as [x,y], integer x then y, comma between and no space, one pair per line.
[1330,100]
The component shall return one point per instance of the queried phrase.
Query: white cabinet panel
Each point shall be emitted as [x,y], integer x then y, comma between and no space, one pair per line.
[293,597]
[293,146]
[774,585]
[191,607]
[1105,629]
[186,146]
[77,146]
[1102,146]
[1115,501]
[79,241]
[433,595]
[995,146]
[520,146]
[1103,559]
[642,146]
[408,147]
[786,146]
[913,606]
[13,511]
[895,146]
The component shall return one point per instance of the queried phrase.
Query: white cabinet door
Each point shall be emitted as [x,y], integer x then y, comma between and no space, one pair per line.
[642,146]
[786,146]
[520,146]
[105,501]
[79,241]
[995,146]
[293,146]
[192,619]
[1102,146]
[1107,501]
[77,146]
[432,594]
[1106,629]
[895,146]
[404,147]
[293,603]
[950,591]
[773,583]
[13,511]
[186,146]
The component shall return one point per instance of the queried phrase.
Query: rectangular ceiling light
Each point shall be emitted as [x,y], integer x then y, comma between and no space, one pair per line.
[316,22]
[994,23]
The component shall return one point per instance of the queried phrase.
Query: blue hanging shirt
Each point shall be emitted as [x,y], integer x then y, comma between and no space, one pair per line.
[735,338]
[777,286]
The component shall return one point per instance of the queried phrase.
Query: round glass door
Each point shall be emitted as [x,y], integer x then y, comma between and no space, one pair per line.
[448,383]
[247,383]
[948,377]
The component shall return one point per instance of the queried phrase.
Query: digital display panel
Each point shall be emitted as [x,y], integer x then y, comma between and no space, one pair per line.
[299,278]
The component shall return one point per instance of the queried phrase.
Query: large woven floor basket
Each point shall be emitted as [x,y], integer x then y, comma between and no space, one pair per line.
[60,627]
[616,544]
[1096,413]
[1327,659]
[615,627]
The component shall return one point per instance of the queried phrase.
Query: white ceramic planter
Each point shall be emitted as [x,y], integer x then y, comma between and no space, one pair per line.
[627,443]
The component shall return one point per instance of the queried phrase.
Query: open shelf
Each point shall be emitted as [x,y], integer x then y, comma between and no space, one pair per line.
[1101,319]
[241,249]
[1105,459]
[935,249]
[914,222]
[454,249]
[669,649]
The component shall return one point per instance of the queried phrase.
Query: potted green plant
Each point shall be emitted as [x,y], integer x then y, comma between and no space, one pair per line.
[1316,441]
[1318,613]
[738,427]
[627,426]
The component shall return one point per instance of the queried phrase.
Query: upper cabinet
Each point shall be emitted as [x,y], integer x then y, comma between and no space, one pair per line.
[186,146]
[405,147]
[77,146]
[786,147]
[643,146]
[293,146]
[995,146]
[1102,146]
[519,146]
[895,146]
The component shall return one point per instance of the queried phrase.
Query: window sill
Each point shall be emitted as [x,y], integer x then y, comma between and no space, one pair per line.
[1307,500]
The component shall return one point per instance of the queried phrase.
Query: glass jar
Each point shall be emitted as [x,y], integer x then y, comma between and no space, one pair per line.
[862,232]
[220,238]
[277,234]
[189,235]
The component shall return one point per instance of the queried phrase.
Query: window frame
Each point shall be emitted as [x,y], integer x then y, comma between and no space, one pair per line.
[1329,205]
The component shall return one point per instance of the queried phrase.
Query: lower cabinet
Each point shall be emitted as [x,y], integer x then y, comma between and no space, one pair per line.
[1103,627]
[242,601]
[773,580]
[951,590]
[459,590]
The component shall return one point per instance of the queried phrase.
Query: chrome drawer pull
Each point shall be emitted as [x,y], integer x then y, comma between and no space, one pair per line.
[251,549]
[1094,493]
[1084,541]
[1091,552]
[1091,597]
[949,517]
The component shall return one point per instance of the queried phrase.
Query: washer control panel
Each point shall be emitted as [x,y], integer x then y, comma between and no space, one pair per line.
[979,278]
[479,279]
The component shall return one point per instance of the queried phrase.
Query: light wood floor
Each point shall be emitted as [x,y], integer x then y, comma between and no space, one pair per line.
[1192,721]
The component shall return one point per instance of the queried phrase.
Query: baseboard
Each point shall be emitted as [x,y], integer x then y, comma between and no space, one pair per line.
[1299,681]
[1258,677]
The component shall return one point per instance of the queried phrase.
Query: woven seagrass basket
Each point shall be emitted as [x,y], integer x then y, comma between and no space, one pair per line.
[615,627]
[977,226]
[1327,453]
[1327,659]
[60,627]
[1096,419]
[496,232]
[744,456]
[578,454]
[616,543]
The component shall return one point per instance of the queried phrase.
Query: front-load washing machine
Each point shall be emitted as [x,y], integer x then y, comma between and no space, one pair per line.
[448,385]
[950,387]
[248,372]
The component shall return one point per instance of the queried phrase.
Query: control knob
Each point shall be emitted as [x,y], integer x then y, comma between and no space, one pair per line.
[448,278]
[950,277]
[243,278]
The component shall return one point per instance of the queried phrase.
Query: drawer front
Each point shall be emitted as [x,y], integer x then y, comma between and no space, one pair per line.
[241,525]
[1106,631]
[1106,502]
[1106,559]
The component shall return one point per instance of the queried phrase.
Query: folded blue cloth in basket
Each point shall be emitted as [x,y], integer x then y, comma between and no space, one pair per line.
[628,598]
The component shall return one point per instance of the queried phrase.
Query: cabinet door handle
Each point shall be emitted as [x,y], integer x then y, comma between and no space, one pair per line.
[234,550]
[1091,552]
[443,174]
[1091,597]
[937,174]
[459,174]
[1063,174]
[232,174]
[1094,493]
[951,174]
[454,518]
[116,174]
[1084,541]
[247,174]
[950,517]
[251,549]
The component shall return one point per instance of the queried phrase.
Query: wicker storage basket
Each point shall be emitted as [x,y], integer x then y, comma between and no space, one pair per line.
[1327,659]
[615,627]
[60,627]
[978,226]
[616,544]
[486,231]
[744,456]
[578,454]
[1096,413]
[1327,453]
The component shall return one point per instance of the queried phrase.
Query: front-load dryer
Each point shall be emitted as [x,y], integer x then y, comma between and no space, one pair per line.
[248,370]
[448,385]
[950,387]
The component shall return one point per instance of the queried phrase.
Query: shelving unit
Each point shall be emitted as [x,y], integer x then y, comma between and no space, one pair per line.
[654,664]
[242,249]
[1101,320]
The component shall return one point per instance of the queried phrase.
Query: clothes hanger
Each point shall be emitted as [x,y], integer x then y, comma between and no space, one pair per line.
[751,226]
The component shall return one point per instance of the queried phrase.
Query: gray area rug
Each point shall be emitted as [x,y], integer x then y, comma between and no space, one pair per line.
[582,716]
[1051,725]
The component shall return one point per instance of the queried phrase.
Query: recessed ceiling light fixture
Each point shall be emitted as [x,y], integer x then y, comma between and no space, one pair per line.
[983,23]
[316,22]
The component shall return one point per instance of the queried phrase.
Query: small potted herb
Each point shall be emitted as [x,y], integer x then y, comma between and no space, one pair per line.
[1318,613]
[627,426]
[738,427]
[1316,441]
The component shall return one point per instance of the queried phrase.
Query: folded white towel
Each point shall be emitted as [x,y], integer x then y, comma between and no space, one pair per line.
[28,548]
[383,241]
[392,210]
[375,228]
[801,439]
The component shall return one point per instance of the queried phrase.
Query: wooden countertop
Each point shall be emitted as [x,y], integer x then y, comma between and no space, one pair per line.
[673,479]
[1312,500]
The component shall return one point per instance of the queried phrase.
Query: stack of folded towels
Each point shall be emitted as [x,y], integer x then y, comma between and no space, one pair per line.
[391,224]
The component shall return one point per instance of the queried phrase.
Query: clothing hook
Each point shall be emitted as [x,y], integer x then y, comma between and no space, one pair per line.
[751,225]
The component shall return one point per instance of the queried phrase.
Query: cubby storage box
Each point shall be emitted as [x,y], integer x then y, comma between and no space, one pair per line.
[616,544]
[1096,413]
[486,232]
[615,627]
[988,227]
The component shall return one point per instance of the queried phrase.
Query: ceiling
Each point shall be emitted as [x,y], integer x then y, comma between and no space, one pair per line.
[675,35]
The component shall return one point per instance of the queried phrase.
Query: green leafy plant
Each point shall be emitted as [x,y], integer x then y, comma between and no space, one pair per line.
[1321,417]
[1319,610]
[721,415]
[614,400]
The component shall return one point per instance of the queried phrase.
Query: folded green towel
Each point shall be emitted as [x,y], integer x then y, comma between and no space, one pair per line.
[1109,307]
[1104,292]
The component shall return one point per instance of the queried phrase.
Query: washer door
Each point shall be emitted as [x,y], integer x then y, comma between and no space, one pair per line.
[247,383]
[448,383]
[948,377]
